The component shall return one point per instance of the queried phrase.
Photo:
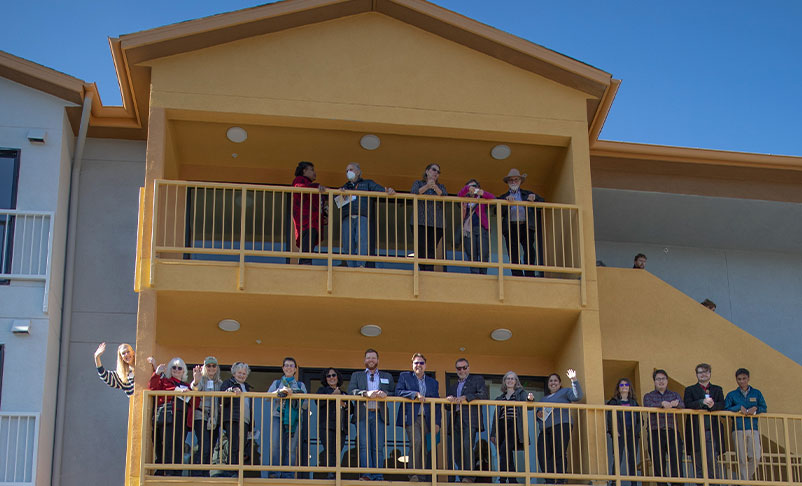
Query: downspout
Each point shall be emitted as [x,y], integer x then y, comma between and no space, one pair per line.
[69,277]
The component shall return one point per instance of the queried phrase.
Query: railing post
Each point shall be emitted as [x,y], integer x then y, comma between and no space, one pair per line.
[51,218]
[416,248]
[616,451]
[432,440]
[525,424]
[703,447]
[153,226]
[145,436]
[241,441]
[337,436]
[330,232]
[788,469]
[583,284]
[241,285]
[500,249]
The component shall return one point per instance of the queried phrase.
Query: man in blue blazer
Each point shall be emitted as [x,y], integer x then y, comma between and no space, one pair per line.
[416,417]
[370,416]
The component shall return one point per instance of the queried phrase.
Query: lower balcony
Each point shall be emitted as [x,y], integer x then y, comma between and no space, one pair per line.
[253,234]
[335,439]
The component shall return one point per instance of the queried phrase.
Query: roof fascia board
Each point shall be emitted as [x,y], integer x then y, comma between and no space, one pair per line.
[627,150]
[603,110]
[41,78]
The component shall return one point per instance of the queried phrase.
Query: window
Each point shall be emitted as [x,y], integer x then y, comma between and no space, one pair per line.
[9,177]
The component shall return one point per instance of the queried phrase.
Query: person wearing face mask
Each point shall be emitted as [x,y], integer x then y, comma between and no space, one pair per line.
[475,225]
[555,424]
[358,214]
[430,213]
[521,225]
[174,416]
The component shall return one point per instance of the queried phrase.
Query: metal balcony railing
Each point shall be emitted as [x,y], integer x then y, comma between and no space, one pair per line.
[275,224]
[26,247]
[339,437]
[19,436]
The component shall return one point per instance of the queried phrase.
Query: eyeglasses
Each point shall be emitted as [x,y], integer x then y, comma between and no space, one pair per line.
[418,363]
[211,365]
[435,169]
[175,367]
[622,385]
[462,368]
[702,372]
[331,375]
[372,376]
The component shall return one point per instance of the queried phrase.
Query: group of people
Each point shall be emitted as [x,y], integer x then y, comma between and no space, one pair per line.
[210,418]
[521,225]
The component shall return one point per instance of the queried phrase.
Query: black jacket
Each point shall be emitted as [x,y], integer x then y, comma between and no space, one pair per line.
[229,409]
[327,411]
[622,416]
[519,395]
[469,416]
[694,395]
[533,220]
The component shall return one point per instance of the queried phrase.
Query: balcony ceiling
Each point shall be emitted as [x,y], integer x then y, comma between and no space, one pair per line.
[326,329]
[269,155]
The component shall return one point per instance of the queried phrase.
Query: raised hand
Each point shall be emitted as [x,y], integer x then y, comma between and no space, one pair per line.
[197,373]
[571,374]
[100,350]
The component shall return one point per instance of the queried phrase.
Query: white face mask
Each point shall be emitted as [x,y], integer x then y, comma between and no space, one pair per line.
[514,187]
[351,175]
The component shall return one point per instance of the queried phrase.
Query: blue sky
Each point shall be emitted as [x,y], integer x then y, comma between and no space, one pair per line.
[721,74]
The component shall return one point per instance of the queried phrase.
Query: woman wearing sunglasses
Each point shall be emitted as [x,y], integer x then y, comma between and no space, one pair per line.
[174,416]
[327,422]
[628,428]
[430,213]
[206,378]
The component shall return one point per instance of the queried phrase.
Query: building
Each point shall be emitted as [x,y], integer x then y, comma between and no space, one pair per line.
[160,193]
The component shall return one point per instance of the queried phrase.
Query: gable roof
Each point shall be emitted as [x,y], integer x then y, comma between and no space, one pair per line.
[41,78]
[130,50]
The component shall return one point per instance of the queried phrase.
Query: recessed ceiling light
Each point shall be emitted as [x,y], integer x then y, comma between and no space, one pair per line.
[501,334]
[500,152]
[234,155]
[370,330]
[370,142]
[237,134]
[229,325]
[462,348]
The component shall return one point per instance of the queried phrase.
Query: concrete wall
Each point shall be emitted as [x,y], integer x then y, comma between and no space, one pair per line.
[31,361]
[745,255]
[104,309]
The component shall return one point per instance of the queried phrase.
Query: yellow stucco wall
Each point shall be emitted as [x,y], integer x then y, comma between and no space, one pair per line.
[366,67]
[645,320]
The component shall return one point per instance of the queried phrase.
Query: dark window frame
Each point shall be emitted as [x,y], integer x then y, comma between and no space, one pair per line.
[6,234]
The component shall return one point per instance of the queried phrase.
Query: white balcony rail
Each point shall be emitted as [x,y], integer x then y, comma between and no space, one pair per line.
[26,247]
[277,224]
[19,433]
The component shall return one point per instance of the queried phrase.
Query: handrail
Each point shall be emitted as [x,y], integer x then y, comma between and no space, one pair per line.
[26,247]
[19,437]
[572,441]
[255,224]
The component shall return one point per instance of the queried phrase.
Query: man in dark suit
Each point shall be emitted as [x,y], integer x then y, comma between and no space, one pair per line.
[467,420]
[415,418]
[370,416]
[522,226]
[704,396]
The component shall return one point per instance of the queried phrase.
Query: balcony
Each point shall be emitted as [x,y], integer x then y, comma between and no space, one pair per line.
[19,433]
[247,234]
[604,443]
[26,245]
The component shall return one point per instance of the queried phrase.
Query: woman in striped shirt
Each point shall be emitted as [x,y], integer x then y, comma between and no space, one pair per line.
[123,377]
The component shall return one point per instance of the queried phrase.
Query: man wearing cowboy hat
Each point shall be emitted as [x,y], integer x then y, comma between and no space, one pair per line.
[521,225]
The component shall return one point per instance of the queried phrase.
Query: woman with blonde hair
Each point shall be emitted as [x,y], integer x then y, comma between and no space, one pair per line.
[206,378]
[174,415]
[507,432]
[123,377]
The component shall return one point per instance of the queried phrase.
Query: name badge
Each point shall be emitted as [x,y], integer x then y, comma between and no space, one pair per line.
[752,399]
[384,381]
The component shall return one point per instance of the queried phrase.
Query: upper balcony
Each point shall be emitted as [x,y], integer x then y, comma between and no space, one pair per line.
[26,247]
[225,238]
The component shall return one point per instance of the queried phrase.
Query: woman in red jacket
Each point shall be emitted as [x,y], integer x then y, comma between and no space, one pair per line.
[174,417]
[306,210]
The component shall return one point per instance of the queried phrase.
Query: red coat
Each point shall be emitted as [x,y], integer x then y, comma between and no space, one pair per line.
[306,211]
[158,382]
